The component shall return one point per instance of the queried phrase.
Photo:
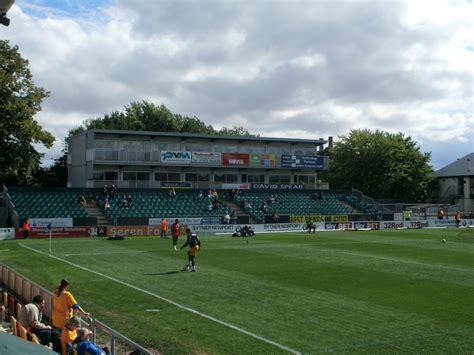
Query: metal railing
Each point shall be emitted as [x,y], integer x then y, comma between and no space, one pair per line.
[24,290]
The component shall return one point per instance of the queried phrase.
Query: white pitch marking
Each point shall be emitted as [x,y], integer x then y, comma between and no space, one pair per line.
[5,250]
[231,326]
[153,310]
[107,253]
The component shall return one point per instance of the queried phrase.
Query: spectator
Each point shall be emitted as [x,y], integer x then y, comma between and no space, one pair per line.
[129,200]
[26,229]
[69,334]
[233,218]
[200,194]
[125,202]
[440,213]
[82,200]
[210,207]
[112,191]
[31,316]
[106,204]
[175,232]
[164,227]
[63,303]
[226,218]
[172,193]
[263,207]
[310,226]
[457,218]
[105,191]
[275,217]
[84,345]
[407,214]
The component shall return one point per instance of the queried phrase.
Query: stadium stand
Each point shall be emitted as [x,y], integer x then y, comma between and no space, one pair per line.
[158,203]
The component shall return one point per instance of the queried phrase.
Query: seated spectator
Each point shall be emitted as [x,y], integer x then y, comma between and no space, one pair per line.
[172,193]
[112,191]
[210,207]
[106,204]
[129,200]
[83,344]
[68,335]
[31,316]
[263,207]
[275,217]
[125,202]
[82,200]
[200,194]
[226,218]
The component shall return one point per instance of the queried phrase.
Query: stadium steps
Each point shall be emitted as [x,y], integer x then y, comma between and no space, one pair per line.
[94,211]
[239,211]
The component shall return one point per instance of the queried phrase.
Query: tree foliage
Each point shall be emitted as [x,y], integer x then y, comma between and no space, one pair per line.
[146,116]
[380,164]
[20,134]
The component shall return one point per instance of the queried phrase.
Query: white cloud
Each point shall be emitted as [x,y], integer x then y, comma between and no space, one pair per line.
[292,68]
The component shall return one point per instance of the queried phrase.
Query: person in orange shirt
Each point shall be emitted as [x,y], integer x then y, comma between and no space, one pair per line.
[164,228]
[64,305]
[69,334]
[26,229]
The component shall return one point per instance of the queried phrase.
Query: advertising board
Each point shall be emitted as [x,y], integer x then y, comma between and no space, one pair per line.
[300,161]
[175,157]
[208,158]
[235,159]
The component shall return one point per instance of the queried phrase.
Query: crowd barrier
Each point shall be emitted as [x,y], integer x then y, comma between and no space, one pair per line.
[23,290]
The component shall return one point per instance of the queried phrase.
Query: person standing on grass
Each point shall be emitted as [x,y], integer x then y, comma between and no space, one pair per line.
[64,305]
[175,232]
[194,245]
[457,218]
[164,227]
[26,229]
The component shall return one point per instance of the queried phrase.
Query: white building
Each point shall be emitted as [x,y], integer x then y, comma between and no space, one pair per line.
[456,181]
[140,159]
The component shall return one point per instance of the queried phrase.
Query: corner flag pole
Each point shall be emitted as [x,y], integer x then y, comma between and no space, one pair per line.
[48,227]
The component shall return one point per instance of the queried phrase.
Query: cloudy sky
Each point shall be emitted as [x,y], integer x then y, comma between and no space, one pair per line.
[302,69]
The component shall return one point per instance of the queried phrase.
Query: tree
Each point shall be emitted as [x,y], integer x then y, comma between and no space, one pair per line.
[380,164]
[20,100]
[146,116]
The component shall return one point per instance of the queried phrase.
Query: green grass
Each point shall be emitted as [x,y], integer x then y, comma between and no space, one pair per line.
[348,292]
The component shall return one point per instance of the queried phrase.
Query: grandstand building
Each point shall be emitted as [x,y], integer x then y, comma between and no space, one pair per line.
[139,159]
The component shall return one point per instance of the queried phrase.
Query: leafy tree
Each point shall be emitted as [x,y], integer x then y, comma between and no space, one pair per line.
[54,175]
[146,116]
[20,100]
[380,164]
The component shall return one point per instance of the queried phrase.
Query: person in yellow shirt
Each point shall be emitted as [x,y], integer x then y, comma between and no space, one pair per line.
[64,305]
[69,334]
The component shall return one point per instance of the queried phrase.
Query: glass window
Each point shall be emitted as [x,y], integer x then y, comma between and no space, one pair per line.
[129,176]
[161,176]
[98,175]
[244,177]
[204,177]
[136,145]
[197,147]
[274,179]
[219,177]
[190,177]
[105,144]
[252,149]
[142,176]
[111,175]
[225,148]
[260,178]
[174,177]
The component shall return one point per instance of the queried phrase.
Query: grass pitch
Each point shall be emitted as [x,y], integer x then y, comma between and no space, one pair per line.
[329,292]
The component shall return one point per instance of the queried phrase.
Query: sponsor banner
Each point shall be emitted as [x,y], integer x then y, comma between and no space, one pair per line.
[7,233]
[263,160]
[54,222]
[443,223]
[319,218]
[258,186]
[175,184]
[136,231]
[337,225]
[175,157]
[56,232]
[215,228]
[189,220]
[235,159]
[363,225]
[211,220]
[236,186]
[283,226]
[100,231]
[211,158]
[300,161]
